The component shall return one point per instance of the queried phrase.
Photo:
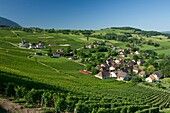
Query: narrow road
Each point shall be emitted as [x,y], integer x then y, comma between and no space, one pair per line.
[48,66]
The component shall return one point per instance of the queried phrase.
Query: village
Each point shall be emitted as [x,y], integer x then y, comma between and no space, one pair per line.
[119,63]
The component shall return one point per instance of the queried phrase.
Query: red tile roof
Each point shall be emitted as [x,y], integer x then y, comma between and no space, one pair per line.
[85,72]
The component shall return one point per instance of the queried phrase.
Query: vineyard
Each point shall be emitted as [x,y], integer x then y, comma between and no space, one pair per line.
[35,81]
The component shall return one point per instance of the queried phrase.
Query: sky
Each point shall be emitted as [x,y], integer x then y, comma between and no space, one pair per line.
[88,14]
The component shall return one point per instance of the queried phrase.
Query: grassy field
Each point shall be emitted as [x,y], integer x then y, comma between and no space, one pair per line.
[63,73]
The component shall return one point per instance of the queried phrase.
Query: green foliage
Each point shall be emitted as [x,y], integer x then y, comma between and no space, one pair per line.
[136,79]
[165,66]
[10,89]
[33,96]
[60,105]
[20,91]
[47,98]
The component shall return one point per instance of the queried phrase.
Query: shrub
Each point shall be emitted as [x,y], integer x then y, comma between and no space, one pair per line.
[20,91]
[33,96]
[9,90]
[47,99]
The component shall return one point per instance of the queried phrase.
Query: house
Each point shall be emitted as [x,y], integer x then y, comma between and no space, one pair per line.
[116,66]
[85,72]
[158,75]
[142,74]
[122,75]
[151,78]
[103,75]
[40,45]
[60,51]
[89,46]
[109,61]
[136,70]
[72,58]
[124,55]
[101,67]
[112,72]
[38,53]
[140,61]
[137,52]
[155,76]
[118,60]
[56,55]
[121,50]
[51,45]
[96,45]
[23,43]
[32,46]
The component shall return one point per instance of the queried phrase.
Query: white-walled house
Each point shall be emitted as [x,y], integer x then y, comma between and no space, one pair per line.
[32,46]
[113,74]
[136,70]
[122,76]
[154,77]
[142,74]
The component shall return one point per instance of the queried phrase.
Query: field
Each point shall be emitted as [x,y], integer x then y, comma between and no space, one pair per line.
[21,66]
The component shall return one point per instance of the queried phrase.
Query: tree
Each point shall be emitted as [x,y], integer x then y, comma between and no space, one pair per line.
[50,52]
[165,66]
[94,71]
[88,67]
[150,69]
[135,57]
[87,33]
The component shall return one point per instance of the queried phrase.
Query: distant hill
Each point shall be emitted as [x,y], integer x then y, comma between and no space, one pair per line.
[165,32]
[7,22]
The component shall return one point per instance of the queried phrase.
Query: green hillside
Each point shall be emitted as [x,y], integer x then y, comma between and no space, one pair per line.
[59,80]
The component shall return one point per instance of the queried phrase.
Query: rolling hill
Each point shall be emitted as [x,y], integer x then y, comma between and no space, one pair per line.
[7,22]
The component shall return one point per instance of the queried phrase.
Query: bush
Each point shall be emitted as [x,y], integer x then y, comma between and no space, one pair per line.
[136,79]
[20,91]
[47,99]
[10,90]
[33,96]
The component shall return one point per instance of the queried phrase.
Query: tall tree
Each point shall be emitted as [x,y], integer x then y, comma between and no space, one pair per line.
[87,33]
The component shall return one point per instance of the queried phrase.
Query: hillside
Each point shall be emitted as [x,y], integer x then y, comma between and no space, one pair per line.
[7,22]
[37,80]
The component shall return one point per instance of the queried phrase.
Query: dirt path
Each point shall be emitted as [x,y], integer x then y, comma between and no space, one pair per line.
[48,66]
[11,107]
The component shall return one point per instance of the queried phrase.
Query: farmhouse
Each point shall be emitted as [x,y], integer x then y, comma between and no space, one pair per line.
[122,75]
[103,75]
[137,52]
[85,72]
[154,77]
[32,46]
[136,70]
[142,74]
[55,55]
[60,51]
[51,45]
[39,45]
[23,43]
[72,58]
[141,61]
[118,60]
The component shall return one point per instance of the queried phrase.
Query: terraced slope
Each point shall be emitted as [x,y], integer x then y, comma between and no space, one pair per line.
[89,94]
